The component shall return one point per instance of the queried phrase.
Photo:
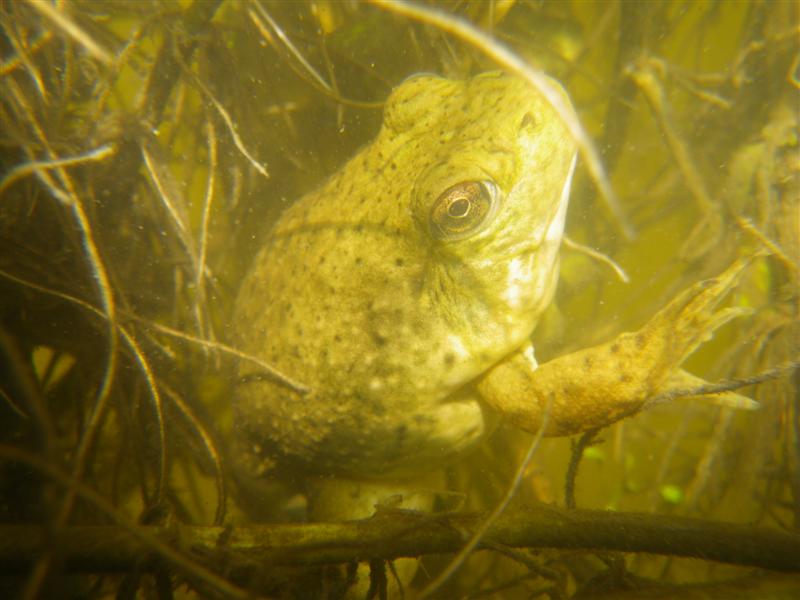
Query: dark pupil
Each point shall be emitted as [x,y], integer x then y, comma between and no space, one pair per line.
[458,208]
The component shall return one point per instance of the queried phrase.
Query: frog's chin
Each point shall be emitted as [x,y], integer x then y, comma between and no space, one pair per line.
[527,285]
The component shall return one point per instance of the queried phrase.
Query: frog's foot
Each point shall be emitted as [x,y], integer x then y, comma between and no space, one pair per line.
[598,386]
[682,384]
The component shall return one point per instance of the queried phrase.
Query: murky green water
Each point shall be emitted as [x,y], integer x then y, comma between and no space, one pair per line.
[149,147]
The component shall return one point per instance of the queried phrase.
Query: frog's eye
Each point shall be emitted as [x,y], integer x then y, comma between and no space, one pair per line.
[462,208]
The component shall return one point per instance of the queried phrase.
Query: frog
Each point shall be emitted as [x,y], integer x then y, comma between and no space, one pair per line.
[404,291]
[424,261]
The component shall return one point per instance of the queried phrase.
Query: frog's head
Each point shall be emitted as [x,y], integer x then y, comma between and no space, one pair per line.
[490,197]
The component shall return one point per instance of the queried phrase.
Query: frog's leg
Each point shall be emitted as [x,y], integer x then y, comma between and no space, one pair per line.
[598,386]
[344,499]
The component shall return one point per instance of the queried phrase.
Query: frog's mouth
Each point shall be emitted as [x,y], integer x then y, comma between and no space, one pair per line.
[555,229]
[543,252]
[531,275]
[547,235]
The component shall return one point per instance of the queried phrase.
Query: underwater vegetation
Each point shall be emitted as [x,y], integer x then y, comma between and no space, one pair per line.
[148,150]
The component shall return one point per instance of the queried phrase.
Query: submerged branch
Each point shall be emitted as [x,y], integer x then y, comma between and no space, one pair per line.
[393,534]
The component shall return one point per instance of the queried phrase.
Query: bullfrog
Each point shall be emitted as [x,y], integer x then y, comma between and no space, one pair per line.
[403,293]
[423,262]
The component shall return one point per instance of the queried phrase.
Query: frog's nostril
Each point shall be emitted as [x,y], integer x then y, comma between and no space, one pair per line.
[527,121]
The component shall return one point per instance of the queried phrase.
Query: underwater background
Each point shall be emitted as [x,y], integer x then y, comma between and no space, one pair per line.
[148,146]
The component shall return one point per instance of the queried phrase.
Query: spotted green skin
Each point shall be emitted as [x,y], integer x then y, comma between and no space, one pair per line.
[355,297]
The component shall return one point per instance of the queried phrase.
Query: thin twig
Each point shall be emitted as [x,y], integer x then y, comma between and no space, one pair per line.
[747,225]
[144,535]
[480,532]
[314,77]
[586,440]
[231,126]
[33,167]
[68,26]
[165,190]
[22,58]
[724,386]
[200,281]
[707,232]
[138,354]
[69,197]
[267,368]
[705,469]
[16,61]
[211,449]
[603,258]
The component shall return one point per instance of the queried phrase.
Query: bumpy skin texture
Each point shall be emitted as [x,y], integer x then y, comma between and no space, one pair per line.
[386,319]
